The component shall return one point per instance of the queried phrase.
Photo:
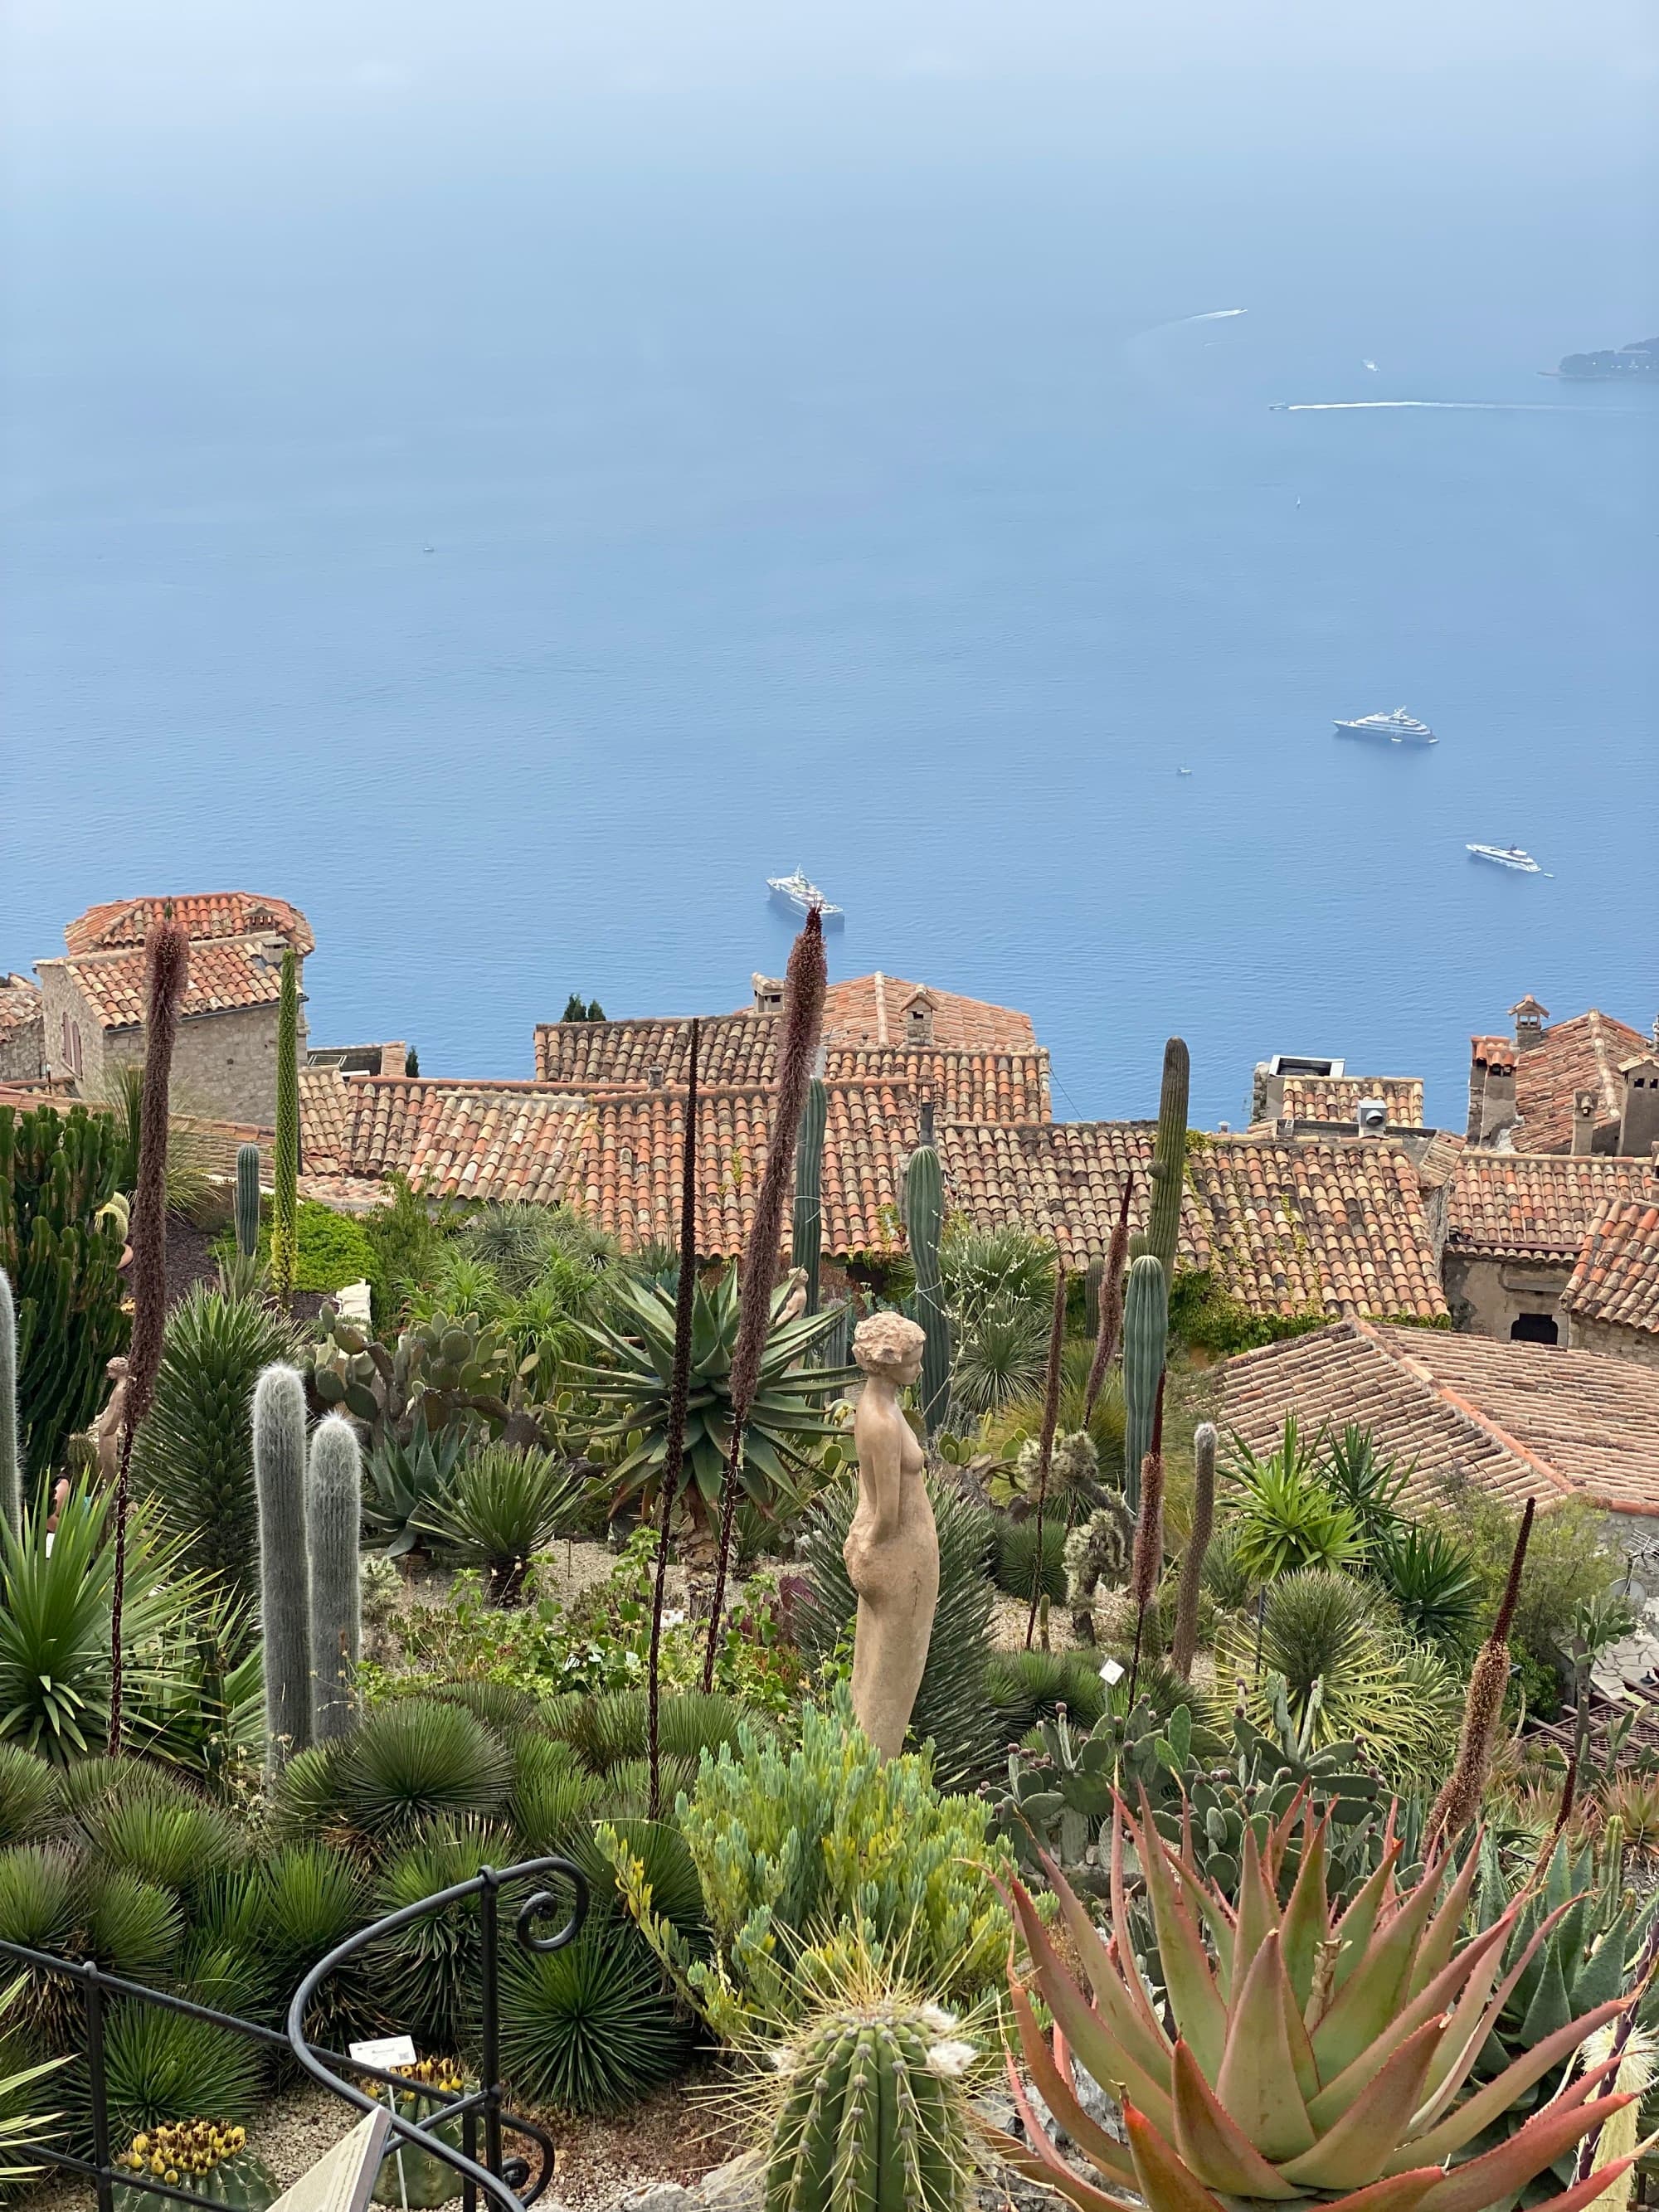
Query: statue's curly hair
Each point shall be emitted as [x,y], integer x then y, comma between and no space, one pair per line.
[886,1339]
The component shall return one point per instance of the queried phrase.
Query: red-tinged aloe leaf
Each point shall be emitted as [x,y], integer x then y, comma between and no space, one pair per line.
[1589,2190]
[1052,2075]
[1200,2017]
[1353,1930]
[1162,2175]
[1376,2124]
[1485,1953]
[1038,2160]
[1258,1909]
[1441,1936]
[1132,1981]
[1474,2022]
[1307,1919]
[1371,1994]
[1216,2149]
[1302,2058]
[1403,2192]
[1464,2123]
[1258,2079]
[1109,1978]
[1499,2175]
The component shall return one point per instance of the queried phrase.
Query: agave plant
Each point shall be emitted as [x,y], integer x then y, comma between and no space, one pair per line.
[1369,1483]
[1304,2056]
[786,1413]
[407,1480]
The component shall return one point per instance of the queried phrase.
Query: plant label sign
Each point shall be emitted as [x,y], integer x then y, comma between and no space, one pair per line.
[387,2052]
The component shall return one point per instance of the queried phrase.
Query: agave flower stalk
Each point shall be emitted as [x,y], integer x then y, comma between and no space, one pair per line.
[168,965]
[1299,2055]
[1045,1444]
[1111,1303]
[679,1399]
[805,982]
[1460,1797]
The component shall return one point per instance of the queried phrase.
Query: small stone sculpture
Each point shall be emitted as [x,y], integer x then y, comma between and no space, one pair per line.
[892,1548]
[110,1422]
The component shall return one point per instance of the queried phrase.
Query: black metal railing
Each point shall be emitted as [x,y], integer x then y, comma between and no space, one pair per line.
[509,2183]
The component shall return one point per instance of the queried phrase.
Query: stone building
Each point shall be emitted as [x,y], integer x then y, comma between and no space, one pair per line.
[225,1062]
[22,1030]
[1589,1085]
[1512,1226]
[1612,1302]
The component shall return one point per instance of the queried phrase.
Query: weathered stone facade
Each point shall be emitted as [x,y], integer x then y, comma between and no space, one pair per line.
[22,1032]
[1613,1338]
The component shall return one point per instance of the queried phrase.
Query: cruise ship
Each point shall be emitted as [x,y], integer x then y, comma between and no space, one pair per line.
[1505,856]
[796,892]
[1400,728]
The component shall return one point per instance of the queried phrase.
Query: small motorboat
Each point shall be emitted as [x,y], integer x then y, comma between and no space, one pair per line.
[1505,856]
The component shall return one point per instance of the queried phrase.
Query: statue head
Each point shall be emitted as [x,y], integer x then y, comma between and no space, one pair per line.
[889,1345]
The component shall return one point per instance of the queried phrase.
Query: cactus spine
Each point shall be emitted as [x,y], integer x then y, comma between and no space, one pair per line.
[285,1173]
[872,2115]
[247,1200]
[11,1475]
[1145,1338]
[924,1223]
[1191,1565]
[334,1511]
[1169,1158]
[807,1222]
[279,1482]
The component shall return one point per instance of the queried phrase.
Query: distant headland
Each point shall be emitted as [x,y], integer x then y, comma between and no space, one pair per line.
[1641,359]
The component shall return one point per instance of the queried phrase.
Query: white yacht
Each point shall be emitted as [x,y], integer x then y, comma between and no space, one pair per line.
[1505,856]
[797,892]
[1398,728]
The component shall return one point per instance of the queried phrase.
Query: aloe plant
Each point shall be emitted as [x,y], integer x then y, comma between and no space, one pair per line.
[1301,2055]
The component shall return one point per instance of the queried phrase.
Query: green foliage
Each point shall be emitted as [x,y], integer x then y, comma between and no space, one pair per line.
[406,1234]
[1286,1517]
[500,1506]
[979,1268]
[1025,1687]
[162,2066]
[1023,1556]
[806,1218]
[1207,1317]
[189,1184]
[11,1467]
[1371,1486]
[60,1252]
[1430,1579]
[308,1898]
[588,2029]
[27,1797]
[409,1480]
[1567,1563]
[417,1760]
[924,1223]
[998,1289]
[194,1454]
[950,1709]
[1145,1345]
[799,1850]
[606,1731]
[784,1418]
[172,1839]
[426,1973]
[330,1249]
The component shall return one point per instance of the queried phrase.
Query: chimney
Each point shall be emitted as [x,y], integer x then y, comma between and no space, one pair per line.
[655,1076]
[1372,1116]
[394,1058]
[1638,1119]
[1530,1020]
[1491,1089]
[1584,1103]
[768,993]
[919,1019]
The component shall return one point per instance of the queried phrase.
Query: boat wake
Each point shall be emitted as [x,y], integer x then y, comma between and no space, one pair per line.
[1441,406]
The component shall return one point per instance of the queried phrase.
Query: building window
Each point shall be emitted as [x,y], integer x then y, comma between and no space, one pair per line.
[1534,1329]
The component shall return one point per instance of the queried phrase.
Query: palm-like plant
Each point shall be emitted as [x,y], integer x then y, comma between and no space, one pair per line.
[784,1415]
[501,1506]
[1431,1580]
[1360,1477]
[189,1184]
[1287,1518]
[1000,1351]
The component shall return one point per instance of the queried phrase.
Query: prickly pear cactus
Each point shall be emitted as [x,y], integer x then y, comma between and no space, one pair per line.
[443,1365]
[872,2113]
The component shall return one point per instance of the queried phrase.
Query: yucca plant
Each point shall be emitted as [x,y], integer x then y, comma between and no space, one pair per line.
[1301,2055]
[999,1350]
[172,1838]
[417,1760]
[426,1973]
[27,1797]
[555,1799]
[1026,1687]
[500,1506]
[607,1731]
[165,2067]
[588,2029]
[310,1897]
[1431,1579]
[784,1417]
[1286,1516]
[1029,1560]
[1369,1482]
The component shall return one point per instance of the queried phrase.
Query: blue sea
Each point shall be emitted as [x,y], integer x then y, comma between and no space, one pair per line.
[511,478]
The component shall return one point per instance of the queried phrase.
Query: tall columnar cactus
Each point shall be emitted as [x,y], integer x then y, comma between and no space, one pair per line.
[279,1481]
[285,1173]
[1169,1158]
[334,1509]
[63,1253]
[924,1224]
[247,1200]
[1146,1340]
[871,2114]
[11,1477]
[1191,1565]
[807,1222]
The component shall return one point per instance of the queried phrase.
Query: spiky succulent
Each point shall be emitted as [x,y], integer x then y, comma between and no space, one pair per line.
[1296,2055]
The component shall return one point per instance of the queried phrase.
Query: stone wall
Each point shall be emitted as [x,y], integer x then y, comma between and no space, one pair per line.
[1488,1296]
[21,1051]
[1640,1345]
[224,1064]
[75,1054]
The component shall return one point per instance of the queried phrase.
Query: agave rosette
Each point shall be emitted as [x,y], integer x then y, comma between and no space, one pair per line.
[1300,2055]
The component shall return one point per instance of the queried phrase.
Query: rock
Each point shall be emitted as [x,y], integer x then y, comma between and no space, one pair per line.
[659,2196]
[733,2187]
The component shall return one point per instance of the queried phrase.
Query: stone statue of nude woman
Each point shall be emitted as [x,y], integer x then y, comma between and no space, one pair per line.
[892,1547]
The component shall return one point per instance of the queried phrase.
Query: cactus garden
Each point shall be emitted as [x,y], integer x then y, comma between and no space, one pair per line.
[1221,1867]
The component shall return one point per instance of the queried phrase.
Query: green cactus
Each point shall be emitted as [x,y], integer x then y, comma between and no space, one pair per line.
[334,1506]
[806,1220]
[1184,1647]
[62,1251]
[247,1200]
[285,1173]
[1096,1552]
[11,1479]
[872,2113]
[448,1365]
[1146,1342]
[1170,1159]
[924,1224]
[207,2158]
[279,1481]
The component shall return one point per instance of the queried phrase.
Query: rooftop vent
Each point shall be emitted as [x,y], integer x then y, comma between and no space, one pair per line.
[655,1076]
[1372,1116]
[1291,1063]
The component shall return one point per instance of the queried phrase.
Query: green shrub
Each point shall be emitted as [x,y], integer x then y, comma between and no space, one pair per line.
[176,1841]
[501,1505]
[309,1899]
[589,2029]
[1026,1687]
[334,1249]
[609,1729]
[27,1797]
[1431,1579]
[1287,1519]
[426,1974]
[417,1761]
[1017,1557]
[162,2066]
[1567,1563]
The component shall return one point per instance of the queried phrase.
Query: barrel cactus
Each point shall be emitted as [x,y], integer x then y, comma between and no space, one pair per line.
[1146,1342]
[207,2158]
[1169,1158]
[807,1222]
[1294,2064]
[924,1224]
[279,1483]
[872,2113]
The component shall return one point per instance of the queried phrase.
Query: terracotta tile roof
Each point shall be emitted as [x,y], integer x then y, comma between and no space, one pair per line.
[1521,1419]
[1535,1205]
[731,1048]
[19,1005]
[324,1120]
[502,1141]
[1336,1097]
[1064,1179]
[1617,1278]
[869,1010]
[960,1085]
[225,973]
[1580,1054]
[124,922]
